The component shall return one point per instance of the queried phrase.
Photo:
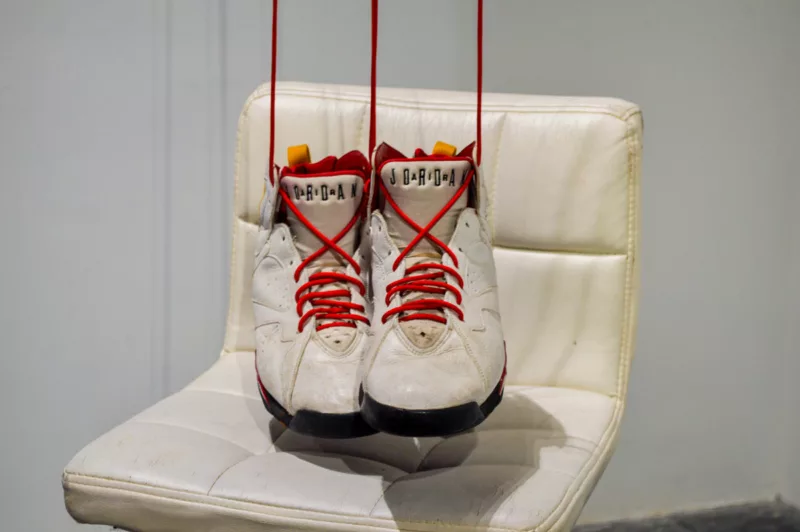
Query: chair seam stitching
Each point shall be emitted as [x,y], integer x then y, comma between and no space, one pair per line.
[214,483]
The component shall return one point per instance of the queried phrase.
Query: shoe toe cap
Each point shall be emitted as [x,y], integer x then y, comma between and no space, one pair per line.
[443,378]
[327,383]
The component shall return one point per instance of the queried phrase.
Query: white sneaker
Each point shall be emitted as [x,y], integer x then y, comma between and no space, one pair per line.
[309,295]
[436,365]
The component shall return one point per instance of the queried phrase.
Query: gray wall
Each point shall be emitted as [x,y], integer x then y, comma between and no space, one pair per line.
[792,371]
[117,124]
[792,390]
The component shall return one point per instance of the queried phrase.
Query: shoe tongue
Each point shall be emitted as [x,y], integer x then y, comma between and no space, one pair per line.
[421,188]
[328,202]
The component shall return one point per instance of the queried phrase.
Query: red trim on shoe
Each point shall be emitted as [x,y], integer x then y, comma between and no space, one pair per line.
[502,384]
[261,389]
[351,163]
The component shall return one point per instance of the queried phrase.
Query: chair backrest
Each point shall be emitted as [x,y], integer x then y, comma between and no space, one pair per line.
[563,181]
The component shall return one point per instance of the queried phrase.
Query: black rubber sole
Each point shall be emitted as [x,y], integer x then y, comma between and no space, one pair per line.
[424,423]
[318,424]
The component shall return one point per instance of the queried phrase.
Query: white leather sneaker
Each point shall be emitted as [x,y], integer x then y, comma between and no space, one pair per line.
[437,361]
[309,294]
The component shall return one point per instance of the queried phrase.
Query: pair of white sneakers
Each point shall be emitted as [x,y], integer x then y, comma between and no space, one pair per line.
[375,295]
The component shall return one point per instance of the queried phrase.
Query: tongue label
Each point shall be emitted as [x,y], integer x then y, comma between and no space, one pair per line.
[421,189]
[426,174]
[323,189]
[329,203]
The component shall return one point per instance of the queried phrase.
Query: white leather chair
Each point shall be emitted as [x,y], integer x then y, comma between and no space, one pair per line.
[563,178]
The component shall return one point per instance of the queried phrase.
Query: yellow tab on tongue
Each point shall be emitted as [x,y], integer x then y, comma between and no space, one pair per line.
[299,154]
[443,148]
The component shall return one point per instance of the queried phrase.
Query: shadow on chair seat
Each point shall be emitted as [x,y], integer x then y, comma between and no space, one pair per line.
[215,440]
[505,473]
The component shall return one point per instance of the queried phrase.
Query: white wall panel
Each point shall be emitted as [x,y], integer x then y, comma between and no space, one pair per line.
[193,189]
[790,436]
[79,227]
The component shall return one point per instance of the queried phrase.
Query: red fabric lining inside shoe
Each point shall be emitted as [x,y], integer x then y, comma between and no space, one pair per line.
[352,162]
[386,153]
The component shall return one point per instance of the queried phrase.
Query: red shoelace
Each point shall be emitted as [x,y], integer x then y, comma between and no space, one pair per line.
[324,307]
[434,282]
[434,279]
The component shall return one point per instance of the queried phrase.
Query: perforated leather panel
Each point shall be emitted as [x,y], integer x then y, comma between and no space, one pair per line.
[562,175]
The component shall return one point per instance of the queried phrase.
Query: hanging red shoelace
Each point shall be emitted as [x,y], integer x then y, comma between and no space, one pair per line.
[330,307]
[433,281]
[274,75]
[430,278]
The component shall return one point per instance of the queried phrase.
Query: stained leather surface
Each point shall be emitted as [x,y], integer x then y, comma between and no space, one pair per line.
[562,176]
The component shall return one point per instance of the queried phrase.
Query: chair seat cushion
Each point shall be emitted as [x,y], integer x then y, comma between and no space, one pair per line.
[210,458]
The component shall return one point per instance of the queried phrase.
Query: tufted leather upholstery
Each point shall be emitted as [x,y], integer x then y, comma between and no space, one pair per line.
[563,178]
